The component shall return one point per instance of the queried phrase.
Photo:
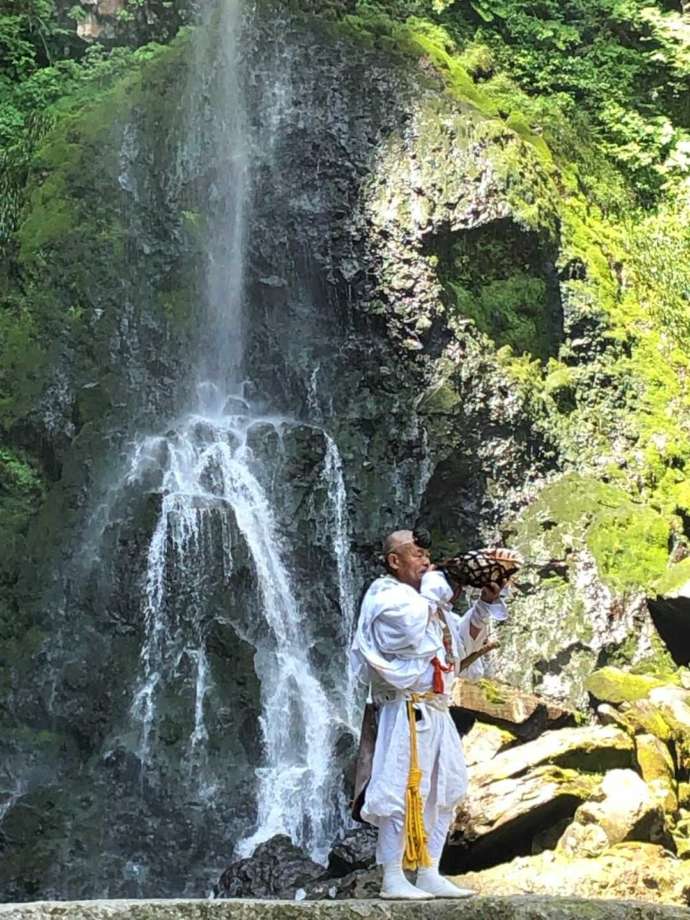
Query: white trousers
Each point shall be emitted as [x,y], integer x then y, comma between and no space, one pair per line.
[391,840]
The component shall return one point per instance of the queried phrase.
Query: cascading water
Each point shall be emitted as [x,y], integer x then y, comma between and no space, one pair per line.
[335,483]
[213,502]
[209,478]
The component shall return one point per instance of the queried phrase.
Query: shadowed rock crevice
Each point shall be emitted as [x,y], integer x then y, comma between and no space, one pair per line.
[504,279]
[671,616]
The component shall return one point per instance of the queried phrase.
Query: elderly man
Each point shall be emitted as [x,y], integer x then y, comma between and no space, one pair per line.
[409,645]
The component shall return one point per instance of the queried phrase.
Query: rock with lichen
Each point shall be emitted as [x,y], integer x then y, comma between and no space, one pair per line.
[622,809]
[637,870]
[594,748]
[501,816]
[614,685]
[657,769]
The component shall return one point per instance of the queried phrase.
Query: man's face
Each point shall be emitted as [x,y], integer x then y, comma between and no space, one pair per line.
[408,563]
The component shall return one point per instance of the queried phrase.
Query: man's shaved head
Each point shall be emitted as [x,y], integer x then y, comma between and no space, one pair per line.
[395,540]
[404,558]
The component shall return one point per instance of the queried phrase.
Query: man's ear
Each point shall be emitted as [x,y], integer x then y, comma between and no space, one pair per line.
[393,561]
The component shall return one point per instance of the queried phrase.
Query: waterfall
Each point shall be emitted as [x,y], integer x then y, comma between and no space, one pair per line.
[216,507]
[335,483]
[209,475]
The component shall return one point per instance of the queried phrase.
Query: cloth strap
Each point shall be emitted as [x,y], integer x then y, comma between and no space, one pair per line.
[439,670]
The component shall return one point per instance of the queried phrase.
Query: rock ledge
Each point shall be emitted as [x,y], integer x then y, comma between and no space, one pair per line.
[480,908]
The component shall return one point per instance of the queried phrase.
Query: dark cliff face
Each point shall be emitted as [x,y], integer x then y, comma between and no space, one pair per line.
[385,220]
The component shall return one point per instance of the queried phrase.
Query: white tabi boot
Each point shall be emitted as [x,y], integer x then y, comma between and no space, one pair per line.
[396,887]
[433,883]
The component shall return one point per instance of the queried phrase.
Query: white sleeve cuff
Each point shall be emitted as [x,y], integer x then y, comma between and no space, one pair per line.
[483,612]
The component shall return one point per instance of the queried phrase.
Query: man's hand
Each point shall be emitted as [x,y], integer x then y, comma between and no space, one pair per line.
[490,593]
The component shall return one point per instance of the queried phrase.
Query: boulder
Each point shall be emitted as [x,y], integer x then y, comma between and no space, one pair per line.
[355,850]
[658,770]
[277,869]
[594,747]
[673,704]
[498,819]
[627,870]
[609,715]
[681,834]
[644,717]
[526,716]
[484,741]
[623,809]
[613,685]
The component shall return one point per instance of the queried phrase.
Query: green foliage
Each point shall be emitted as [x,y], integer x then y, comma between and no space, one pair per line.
[35,104]
[21,489]
[27,36]
[612,73]
[630,545]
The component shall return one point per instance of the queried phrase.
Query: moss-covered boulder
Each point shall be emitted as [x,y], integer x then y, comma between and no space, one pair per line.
[484,741]
[589,748]
[658,770]
[499,818]
[521,714]
[673,704]
[613,685]
[644,716]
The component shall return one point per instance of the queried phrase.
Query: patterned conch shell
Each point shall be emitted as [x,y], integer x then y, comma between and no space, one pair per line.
[481,567]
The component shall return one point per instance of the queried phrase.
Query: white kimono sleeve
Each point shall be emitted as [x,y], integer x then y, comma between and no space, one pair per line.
[400,634]
[479,615]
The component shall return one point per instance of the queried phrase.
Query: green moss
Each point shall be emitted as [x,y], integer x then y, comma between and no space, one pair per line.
[612,685]
[492,693]
[570,781]
[673,579]
[443,399]
[629,541]
[630,545]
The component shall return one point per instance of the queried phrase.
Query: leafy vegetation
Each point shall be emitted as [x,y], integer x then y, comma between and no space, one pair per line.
[613,74]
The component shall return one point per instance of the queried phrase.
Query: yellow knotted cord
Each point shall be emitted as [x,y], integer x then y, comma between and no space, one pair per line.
[416,853]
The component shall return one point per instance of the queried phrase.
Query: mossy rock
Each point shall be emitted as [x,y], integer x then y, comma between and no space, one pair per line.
[613,685]
[643,717]
[658,770]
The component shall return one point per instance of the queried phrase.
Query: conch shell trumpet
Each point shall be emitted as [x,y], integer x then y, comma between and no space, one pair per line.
[481,567]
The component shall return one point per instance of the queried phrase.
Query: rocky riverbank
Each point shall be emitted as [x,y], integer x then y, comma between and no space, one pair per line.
[553,808]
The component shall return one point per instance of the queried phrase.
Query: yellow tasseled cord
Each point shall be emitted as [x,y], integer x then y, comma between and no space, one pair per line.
[416,853]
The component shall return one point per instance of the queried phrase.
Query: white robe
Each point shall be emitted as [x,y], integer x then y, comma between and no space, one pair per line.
[397,636]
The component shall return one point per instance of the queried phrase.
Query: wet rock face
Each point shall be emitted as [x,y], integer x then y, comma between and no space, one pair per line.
[276,870]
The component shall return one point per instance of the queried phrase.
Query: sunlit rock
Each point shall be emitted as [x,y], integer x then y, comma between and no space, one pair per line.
[622,809]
